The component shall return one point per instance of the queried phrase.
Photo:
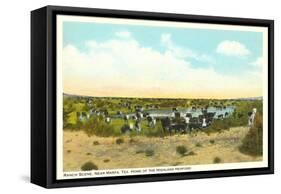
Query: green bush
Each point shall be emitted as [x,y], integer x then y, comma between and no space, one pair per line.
[149,152]
[97,126]
[157,131]
[139,151]
[89,166]
[182,150]
[192,153]
[96,143]
[252,144]
[218,126]
[132,140]
[119,141]
[217,160]
[198,145]
[212,141]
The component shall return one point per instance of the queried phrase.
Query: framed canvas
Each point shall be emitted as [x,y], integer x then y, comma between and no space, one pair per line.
[126,96]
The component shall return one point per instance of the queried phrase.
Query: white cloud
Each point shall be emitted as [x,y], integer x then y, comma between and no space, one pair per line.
[257,66]
[232,48]
[259,62]
[122,67]
[123,34]
[185,52]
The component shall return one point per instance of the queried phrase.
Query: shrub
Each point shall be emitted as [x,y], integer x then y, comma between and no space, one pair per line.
[212,141]
[96,143]
[149,152]
[97,126]
[198,145]
[252,144]
[139,151]
[192,153]
[119,141]
[217,160]
[218,126]
[89,166]
[182,150]
[157,131]
[106,160]
[88,154]
[132,140]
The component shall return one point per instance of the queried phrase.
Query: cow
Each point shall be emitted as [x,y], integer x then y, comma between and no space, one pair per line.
[209,117]
[194,123]
[165,122]
[226,114]
[139,115]
[138,126]
[108,120]
[251,117]
[125,129]
[204,124]
[151,121]
[178,127]
[126,118]
[188,115]
[187,119]
[145,114]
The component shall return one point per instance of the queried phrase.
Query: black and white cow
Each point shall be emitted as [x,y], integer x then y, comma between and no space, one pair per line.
[138,125]
[251,117]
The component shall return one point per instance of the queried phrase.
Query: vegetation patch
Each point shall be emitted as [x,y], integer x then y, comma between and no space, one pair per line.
[132,140]
[149,152]
[192,153]
[198,145]
[106,160]
[252,144]
[139,151]
[182,150]
[119,141]
[96,143]
[89,166]
[217,160]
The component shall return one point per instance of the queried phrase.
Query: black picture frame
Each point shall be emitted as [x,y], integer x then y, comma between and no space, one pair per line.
[43,95]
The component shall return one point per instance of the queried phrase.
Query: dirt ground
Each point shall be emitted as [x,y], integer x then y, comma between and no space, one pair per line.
[107,154]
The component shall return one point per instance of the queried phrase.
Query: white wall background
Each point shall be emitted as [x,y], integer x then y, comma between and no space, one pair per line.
[15,94]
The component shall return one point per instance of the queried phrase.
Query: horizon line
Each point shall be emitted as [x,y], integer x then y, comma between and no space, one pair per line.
[181,98]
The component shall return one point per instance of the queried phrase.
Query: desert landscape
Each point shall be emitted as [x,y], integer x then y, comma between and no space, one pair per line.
[118,133]
[137,152]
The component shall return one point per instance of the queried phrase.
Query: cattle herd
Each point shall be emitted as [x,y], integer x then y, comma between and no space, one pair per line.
[174,122]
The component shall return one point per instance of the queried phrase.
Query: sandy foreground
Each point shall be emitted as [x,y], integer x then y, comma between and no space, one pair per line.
[78,149]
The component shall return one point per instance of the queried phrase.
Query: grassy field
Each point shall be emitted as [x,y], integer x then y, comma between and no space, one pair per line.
[74,105]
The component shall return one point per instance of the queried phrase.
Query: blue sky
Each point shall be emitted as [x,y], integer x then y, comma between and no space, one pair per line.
[224,52]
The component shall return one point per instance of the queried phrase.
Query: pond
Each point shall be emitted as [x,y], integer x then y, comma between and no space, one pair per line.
[194,112]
